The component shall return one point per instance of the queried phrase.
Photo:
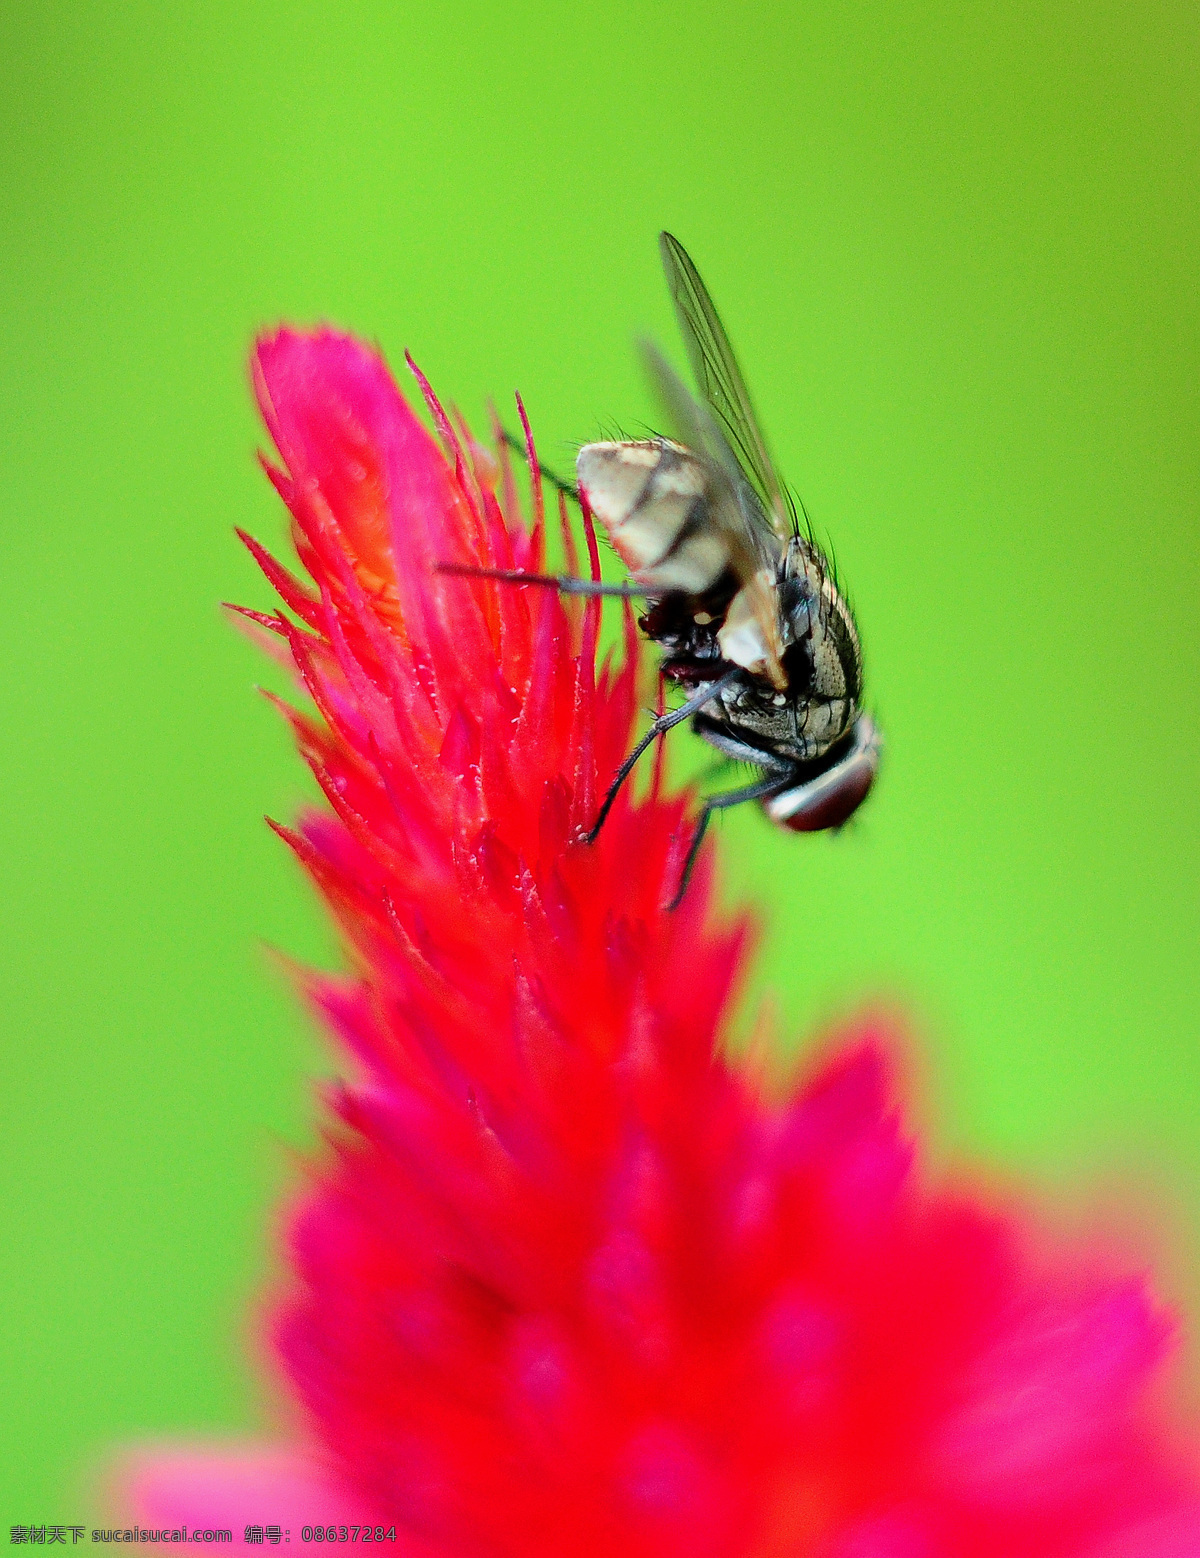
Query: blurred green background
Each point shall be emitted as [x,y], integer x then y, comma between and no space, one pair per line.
[955,246]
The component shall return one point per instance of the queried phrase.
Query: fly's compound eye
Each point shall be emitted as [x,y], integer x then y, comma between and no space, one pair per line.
[832,797]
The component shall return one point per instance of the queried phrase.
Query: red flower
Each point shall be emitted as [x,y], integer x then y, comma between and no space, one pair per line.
[569,1282]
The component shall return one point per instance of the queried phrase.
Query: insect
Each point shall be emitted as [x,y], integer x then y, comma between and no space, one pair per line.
[740,599]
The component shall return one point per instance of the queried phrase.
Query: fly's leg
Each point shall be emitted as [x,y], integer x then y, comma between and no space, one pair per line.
[564,583]
[761,788]
[559,483]
[661,725]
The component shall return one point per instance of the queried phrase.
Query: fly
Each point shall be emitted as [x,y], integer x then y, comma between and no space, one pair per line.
[741,600]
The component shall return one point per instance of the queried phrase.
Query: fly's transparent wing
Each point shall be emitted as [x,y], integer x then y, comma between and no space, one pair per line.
[753,549]
[750,546]
[720,380]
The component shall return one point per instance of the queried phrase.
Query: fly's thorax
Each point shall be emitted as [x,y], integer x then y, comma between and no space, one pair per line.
[651,496]
[823,657]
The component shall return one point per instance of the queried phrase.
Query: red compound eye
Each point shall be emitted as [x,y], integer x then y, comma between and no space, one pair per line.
[834,796]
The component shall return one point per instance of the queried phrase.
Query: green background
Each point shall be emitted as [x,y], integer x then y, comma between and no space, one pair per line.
[955,245]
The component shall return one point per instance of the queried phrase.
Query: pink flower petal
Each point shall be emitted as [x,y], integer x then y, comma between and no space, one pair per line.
[233,1486]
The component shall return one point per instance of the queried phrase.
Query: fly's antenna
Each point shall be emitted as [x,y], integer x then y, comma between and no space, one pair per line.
[559,483]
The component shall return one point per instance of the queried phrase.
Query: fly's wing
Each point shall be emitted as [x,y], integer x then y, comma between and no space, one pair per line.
[720,381]
[753,549]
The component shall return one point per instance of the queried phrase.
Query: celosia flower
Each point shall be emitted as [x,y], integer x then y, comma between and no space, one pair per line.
[569,1280]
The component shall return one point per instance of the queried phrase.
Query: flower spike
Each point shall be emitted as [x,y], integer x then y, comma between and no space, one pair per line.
[567,1279]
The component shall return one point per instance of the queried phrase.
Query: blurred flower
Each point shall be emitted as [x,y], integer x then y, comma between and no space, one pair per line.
[568,1280]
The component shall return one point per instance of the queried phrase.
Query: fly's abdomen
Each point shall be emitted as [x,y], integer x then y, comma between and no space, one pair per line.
[651,498]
